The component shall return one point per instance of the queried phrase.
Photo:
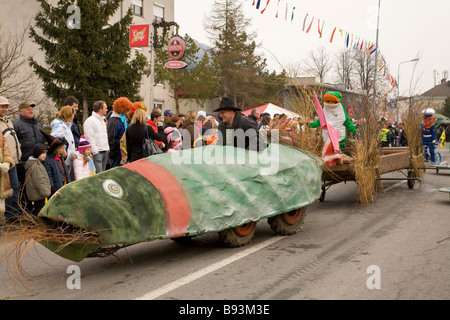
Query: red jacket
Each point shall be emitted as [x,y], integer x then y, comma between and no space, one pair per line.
[155,128]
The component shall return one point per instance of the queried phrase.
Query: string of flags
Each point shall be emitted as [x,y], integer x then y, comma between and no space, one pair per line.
[307,25]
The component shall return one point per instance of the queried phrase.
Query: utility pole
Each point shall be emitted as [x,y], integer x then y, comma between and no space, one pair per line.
[376,64]
[155,45]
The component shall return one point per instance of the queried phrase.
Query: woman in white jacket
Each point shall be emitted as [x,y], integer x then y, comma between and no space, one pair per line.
[83,163]
[61,129]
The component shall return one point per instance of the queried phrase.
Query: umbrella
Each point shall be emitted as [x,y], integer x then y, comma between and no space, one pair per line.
[272,110]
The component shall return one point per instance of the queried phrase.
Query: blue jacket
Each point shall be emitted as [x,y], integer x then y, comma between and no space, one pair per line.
[428,134]
[55,172]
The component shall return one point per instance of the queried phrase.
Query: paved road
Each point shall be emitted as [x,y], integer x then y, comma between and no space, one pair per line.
[395,248]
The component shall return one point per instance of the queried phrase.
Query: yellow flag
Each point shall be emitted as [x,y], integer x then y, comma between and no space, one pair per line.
[443,141]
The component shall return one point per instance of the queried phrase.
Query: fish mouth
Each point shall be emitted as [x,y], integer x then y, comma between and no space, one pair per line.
[97,216]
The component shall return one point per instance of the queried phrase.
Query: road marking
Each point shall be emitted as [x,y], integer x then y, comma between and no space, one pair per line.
[203,272]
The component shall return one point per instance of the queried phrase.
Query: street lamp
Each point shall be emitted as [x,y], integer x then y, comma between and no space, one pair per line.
[398,86]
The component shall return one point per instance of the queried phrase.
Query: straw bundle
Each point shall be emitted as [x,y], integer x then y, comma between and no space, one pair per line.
[366,151]
[22,235]
[414,138]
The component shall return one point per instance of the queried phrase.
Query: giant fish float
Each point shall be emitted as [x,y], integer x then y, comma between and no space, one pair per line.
[185,194]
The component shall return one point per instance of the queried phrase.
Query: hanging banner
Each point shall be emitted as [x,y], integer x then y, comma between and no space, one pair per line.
[140,35]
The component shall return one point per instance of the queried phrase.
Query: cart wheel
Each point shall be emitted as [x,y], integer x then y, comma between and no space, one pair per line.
[238,236]
[289,223]
[411,183]
[183,239]
[323,194]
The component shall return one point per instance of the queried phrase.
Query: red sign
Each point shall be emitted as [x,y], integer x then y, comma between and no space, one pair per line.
[176,48]
[176,65]
[139,35]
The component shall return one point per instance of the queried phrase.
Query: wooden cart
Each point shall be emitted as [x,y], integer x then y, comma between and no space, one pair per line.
[392,159]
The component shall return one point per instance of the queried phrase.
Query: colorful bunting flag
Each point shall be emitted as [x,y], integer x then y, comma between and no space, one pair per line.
[351,41]
[332,35]
[268,1]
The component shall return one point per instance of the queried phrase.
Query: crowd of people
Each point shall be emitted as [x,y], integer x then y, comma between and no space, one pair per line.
[39,162]
[393,135]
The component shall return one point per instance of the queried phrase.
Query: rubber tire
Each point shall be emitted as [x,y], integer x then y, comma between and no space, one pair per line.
[183,239]
[239,236]
[322,195]
[287,224]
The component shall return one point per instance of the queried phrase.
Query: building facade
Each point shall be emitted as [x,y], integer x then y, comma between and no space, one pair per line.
[17,15]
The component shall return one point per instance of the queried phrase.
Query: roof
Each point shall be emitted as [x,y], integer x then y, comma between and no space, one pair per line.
[442,90]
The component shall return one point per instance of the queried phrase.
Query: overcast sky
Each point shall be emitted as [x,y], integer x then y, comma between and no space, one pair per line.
[408,29]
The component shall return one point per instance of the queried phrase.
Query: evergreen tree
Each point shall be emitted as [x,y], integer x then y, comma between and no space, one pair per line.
[234,52]
[92,61]
[198,81]
[446,107]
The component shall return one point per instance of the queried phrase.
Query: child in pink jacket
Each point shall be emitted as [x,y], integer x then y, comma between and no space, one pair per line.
[83,163]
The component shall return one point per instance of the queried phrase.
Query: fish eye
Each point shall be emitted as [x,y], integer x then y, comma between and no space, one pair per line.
[113,189]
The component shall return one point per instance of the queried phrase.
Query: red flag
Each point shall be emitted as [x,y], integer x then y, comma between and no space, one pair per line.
[265,7]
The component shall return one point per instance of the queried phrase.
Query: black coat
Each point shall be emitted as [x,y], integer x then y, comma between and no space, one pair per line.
[136,134]
[248,137]
[29,134]
[75,128]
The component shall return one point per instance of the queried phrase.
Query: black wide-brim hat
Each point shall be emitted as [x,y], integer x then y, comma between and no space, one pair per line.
[227,104]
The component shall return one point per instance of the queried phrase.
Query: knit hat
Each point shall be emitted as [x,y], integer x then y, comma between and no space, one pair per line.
[39,149]
[83,145]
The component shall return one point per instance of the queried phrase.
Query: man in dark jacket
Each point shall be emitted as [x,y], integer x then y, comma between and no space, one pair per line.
[236,129]
[28,131]
[74,102]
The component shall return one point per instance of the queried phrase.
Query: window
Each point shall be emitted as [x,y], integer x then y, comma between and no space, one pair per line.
[137,6]
[158,13]
[158,104]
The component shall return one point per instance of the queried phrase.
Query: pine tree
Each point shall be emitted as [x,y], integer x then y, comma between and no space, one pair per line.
[198,81]
[446,107]
[234,52]
[91,62]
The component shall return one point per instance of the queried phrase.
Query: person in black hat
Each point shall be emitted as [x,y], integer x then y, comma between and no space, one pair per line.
[55,165]
[237,130]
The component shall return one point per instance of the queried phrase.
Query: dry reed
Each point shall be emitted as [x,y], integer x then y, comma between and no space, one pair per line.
[366,152]
[414,138]
[22,235]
